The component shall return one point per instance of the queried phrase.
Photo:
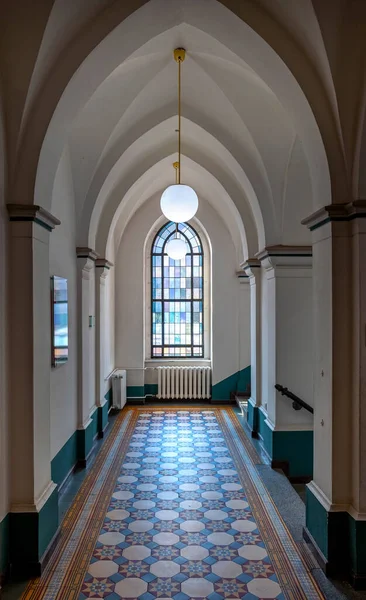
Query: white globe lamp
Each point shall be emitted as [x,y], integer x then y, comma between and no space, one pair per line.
[176,249]
[179,203]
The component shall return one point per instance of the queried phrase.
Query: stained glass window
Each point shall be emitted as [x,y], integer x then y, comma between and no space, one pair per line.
[177,296]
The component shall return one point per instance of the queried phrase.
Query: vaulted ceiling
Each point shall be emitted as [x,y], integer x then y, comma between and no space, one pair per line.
[272,121]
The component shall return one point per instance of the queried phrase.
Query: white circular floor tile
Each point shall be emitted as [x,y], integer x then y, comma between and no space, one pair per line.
[186,459]
[147,487]
[223,460]
[131,587]
[215,515]
[211,495]
[165,568]
[166,515]
[226,569]
[168,465]
[190,504]
[167,495]
[231,487]
[123,495]
[118,515]
[192,526]
[208,479]
[263,588]
[136,552]
[189,487]
[220,539]
[187,472]
[131,465]
[197,587]
[194,552]
[140,526]
[227,472]
[252,552]
[243,525]
[152,449]
[127,479]
[237,504]
[103,568]
[112,538]
[206,466]
[166,539]
[149,472]
[168,454]
[168,479]
[143,504]
[134,454]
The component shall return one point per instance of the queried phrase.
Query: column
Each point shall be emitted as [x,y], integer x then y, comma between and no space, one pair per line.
[252,268]
[102,267]
[336,498]
[33,495]
[287,357]
[87,420]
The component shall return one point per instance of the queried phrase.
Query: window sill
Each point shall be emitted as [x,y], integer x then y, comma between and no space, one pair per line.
[157,362]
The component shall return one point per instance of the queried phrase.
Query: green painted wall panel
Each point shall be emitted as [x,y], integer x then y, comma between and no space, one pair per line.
[295,447]
[85,438]
[317,522]
[48,522]
[37,529]
[4,543]
[265,432]
[252,417]
[135,391]
[102,417]
[151,389]
[94,423]
[64,460]
[223,389]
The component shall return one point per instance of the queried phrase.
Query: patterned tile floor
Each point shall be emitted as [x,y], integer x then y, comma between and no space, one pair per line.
[174,507]
[179,524]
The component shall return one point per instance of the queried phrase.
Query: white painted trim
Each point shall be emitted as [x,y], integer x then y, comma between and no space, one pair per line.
[263,410]
[324,500]
[92,411]
[85,425]
[296,427]
[253,403]
[39,503]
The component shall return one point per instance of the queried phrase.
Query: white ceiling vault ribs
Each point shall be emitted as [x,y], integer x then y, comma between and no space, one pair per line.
[234,125]
[100,78]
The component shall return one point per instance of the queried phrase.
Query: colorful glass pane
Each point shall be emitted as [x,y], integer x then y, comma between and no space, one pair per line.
[177,296]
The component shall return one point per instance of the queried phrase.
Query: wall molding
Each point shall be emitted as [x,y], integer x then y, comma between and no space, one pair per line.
[32,213]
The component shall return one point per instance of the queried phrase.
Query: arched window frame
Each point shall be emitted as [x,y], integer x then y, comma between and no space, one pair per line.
[200,249]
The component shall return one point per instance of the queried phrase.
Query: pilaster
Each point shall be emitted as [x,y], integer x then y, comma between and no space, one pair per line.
[86,429]
[336,498]
[102,268]
[33,495]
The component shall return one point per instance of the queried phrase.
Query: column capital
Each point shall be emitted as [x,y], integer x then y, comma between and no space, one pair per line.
[242,277]
[252,267]
[285,256]
[103,265]
[336,213]
[84,252]
[32,213]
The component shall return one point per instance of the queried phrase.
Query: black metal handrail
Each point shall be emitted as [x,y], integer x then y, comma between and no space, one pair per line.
[297,403]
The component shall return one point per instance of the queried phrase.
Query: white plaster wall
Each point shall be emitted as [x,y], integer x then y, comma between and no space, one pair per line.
[110,325]
[264,339]
[63,263]
[294,345]
[244,323]
[229,346]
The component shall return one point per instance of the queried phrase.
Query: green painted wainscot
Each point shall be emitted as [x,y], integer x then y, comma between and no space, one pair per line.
[79,445]
[137,394]
[237,382]
[4,545]
[290,450]
[339,539]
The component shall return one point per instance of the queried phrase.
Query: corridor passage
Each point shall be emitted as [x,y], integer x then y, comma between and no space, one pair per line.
[174,508]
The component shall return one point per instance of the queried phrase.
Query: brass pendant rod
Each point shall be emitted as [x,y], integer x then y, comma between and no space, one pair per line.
[179,117]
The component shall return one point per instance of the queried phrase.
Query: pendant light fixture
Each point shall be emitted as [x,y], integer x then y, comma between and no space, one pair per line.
[179,203]
[176,248]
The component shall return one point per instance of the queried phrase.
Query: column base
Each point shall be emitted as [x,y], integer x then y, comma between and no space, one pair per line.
[32,537]
[338,539]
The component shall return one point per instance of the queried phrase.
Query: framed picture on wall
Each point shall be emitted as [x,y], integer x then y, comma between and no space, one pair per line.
[59,321]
